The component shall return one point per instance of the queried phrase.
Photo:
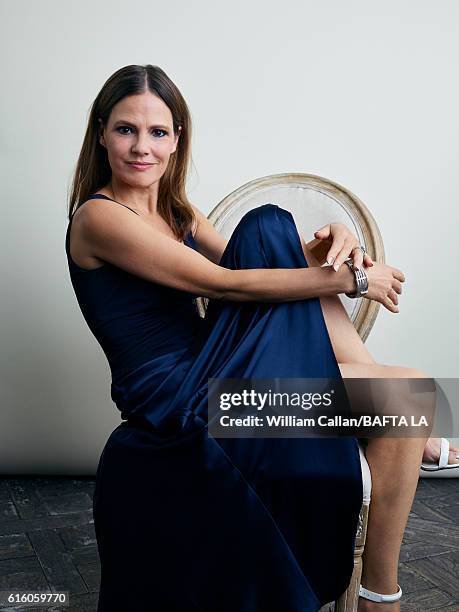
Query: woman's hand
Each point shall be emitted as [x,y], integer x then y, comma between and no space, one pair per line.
[384,283]
[343,245]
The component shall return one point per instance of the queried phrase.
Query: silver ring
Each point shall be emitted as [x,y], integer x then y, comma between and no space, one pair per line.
[362,248]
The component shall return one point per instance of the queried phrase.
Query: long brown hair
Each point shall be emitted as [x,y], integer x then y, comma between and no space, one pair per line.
[93,170]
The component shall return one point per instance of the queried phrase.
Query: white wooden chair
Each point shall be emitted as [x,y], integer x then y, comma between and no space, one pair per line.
[315,201]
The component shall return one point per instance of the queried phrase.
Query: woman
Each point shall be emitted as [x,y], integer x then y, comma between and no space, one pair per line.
[183,521]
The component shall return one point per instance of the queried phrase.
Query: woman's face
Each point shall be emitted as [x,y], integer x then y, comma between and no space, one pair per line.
[139,129]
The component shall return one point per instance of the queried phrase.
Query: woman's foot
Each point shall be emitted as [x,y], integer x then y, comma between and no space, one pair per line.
[368,600]
[365,605]
[432,452]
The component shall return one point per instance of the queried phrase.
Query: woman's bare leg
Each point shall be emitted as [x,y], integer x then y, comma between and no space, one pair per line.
[394,465]
[349,348]
[391,497]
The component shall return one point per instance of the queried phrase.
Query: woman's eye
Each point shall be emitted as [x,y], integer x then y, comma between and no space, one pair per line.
[126,127]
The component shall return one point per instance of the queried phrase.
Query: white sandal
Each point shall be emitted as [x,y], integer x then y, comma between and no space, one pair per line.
[443,460]
[378,597]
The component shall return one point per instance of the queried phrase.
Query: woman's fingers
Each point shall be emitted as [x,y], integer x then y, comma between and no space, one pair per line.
[397,286]
[349,250]
[398,274]
[334,254]
[323,233]
[357,258]
[340,258]
[393,296]
[344,245]
[367,260]
[387,303]
[342,249]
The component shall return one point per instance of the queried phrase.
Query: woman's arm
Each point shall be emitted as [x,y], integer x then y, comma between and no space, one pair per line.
[209,242]
[115,235]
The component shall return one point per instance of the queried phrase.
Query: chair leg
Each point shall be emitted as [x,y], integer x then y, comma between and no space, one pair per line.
[348,601]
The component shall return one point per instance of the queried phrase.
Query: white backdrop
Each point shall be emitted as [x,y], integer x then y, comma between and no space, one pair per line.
[362,93]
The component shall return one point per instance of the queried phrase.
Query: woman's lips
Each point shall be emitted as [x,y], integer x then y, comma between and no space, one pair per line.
[140,166]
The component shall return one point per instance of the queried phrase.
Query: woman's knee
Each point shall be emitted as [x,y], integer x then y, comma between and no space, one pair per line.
[378,370]
[415,373]
[271,231]
[251,218]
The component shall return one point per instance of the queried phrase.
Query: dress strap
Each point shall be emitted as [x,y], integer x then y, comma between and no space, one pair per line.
[67,235]
[101,195]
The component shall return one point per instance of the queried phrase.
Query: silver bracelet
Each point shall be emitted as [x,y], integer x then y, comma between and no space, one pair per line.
[361,278]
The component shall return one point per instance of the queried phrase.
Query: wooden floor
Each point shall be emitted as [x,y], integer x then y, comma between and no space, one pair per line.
[47,542]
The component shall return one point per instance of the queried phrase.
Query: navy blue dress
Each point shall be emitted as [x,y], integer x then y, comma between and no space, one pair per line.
[187,522]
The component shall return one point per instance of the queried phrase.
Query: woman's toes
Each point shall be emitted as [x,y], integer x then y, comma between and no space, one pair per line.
[432,452]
